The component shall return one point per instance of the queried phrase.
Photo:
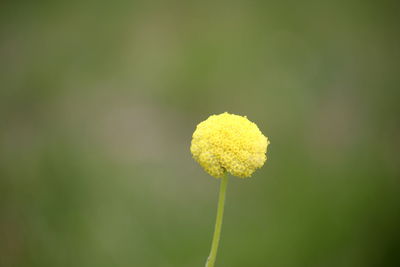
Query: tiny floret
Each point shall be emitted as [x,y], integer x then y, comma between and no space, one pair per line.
[229,143]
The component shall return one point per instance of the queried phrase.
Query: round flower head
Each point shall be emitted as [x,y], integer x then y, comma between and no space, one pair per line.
[228,142]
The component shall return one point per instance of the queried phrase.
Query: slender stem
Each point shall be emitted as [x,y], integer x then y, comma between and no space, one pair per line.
[218,223]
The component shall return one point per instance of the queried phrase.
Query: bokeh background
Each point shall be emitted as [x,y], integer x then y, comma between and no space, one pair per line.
[98,101]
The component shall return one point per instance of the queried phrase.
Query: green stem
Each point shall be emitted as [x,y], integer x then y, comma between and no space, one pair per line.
[220,214]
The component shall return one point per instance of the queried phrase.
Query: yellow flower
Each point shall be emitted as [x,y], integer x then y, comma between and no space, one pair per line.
[228,142]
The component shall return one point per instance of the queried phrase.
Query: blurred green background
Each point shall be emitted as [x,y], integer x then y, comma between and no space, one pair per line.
[98,101]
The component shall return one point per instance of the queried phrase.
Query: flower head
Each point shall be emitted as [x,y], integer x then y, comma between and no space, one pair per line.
[228,142]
